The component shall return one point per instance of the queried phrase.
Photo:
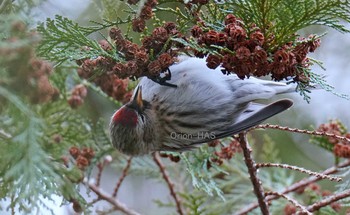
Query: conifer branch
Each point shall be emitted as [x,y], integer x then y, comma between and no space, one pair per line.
[36,136]
[65,40]
[4,4]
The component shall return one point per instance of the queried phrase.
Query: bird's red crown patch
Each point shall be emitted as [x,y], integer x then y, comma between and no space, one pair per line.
[125,117]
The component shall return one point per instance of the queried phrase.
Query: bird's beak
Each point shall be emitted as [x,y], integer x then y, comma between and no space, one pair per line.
[137,102]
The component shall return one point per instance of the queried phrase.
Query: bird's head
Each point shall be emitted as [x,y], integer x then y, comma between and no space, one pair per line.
[127,125]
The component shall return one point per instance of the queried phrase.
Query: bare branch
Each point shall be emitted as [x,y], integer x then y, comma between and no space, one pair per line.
[296,186]
[297,130]
[109,198]
[328,200]
[169,182]
[122,177]
[100,167]
[291,200]
[300,169]
[258,189]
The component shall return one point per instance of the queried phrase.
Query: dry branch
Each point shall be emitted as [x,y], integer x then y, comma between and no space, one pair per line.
[300,184]
[252,169]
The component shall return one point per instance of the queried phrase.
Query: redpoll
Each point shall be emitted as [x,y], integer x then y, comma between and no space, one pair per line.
[206,105]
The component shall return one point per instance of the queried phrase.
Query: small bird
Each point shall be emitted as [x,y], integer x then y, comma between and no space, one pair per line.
[205,105]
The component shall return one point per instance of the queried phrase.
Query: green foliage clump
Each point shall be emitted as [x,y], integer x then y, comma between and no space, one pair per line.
[36,135]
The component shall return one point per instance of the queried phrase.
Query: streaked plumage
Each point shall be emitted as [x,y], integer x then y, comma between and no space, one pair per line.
[205,105]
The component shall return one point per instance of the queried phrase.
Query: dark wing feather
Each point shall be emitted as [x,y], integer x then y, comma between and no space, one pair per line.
[252,120]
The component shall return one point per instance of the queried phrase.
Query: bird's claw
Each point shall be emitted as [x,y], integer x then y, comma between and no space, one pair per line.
[163,80]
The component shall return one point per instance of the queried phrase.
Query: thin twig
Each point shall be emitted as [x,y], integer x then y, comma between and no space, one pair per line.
[107,160]
[106,212]
[100,167]
[94,201]
[122,177]
[13,205]
[291,200]
[258,189]
[169,182]
[297,130]
[300,169]
[327,201]
[113,201]
[295,186]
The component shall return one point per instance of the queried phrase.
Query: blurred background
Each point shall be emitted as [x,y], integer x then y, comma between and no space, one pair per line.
[139,192]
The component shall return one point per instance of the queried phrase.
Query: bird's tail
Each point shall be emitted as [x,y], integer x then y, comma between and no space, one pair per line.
[279,87]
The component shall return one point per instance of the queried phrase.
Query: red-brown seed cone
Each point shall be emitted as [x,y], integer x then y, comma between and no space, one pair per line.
[160,34]
[257,37]
[196,31]
[138,25]
[341,150]
[74,151]
[154,68]
[230,19]
[213,61]
[211,37]
[146,13]
[115,34]
[165,61]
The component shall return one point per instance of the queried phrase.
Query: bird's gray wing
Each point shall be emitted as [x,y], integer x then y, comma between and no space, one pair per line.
[249,120]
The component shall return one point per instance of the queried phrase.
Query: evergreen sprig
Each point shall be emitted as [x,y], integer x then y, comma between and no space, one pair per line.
[197,167]
[283,18]
[28,173]
[62,40]
[194,203]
